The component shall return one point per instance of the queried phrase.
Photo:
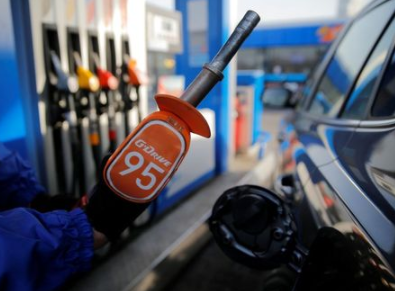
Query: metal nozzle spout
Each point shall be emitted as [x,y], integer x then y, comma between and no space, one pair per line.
[211,73]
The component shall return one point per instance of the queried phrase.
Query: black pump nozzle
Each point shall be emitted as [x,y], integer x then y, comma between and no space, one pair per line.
[211,73]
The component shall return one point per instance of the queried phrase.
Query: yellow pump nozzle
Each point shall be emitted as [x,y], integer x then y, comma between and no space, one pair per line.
[87,80]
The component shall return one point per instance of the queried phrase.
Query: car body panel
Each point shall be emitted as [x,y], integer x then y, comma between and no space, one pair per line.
[347,173]
[308,139]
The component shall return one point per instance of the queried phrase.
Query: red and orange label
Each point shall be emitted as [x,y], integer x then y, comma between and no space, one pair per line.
[142,166]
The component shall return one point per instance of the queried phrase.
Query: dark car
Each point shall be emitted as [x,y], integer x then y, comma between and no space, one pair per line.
[338,172]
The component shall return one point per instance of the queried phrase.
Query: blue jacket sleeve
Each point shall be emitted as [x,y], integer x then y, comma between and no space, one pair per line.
[18,182]
[40,251]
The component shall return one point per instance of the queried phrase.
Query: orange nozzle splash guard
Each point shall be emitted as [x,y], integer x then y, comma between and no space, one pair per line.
[186,112]
[87,80]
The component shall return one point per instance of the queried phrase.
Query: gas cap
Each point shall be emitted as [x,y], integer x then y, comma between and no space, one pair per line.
[253,227]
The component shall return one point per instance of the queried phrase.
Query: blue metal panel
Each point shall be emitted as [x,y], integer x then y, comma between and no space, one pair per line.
[19,122]
[218,34]
[12,118]
[256,80]
[27,84]
[290,36]
[182,64]
[218,99]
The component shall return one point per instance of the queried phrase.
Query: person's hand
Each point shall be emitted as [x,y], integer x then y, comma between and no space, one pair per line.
[99,239]
[108,213]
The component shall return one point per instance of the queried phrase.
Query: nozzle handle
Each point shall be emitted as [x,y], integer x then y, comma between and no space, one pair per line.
[64,82]
[61,82]
[211,73]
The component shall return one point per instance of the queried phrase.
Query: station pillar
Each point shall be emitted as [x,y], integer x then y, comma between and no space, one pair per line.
[206,27]
[19,130]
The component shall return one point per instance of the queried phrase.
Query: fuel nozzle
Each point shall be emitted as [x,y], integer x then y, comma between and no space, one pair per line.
[133,74]
[86,79]
[62,81]
[211,73]
[167,132]
[66,85]
[122,71]
[107,80]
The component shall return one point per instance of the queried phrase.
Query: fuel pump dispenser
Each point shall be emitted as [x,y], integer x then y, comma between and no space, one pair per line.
[62,32]
[86,96]
[109,84]
[124,90]
[54,113]
[60,91]
[89,88]
[105,103]
[127,88]
[136,79]
[67,87]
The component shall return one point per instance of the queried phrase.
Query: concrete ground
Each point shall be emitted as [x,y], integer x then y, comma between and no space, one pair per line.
[130,264]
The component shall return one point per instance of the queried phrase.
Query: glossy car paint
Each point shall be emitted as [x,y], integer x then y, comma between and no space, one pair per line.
[346,172]
[345,176]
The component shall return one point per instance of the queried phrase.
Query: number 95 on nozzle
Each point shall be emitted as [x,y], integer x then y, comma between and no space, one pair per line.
[141,167]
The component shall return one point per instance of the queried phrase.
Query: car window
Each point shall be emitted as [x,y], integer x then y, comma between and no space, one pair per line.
[358,100]
[384,105]
[304,93]
[348,60]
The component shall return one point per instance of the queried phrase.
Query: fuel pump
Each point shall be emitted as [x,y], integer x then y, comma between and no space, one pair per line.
[125,89]
[89,88]
[136,79]
[67,87]
[108,84]
[130,81]
[62,87]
